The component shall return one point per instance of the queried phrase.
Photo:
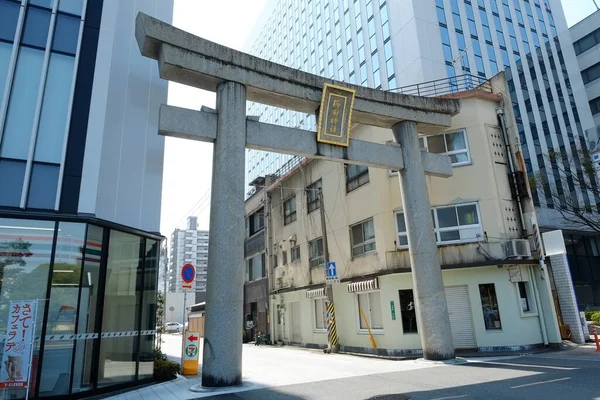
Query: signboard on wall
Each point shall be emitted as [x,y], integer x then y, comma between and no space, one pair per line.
[18,346]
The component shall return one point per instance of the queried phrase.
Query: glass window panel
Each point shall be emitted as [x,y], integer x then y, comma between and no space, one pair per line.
[42,3]
[5,52]
[71,6]
[53,118]
[21,107]
[12,174]
[35,32]
[467,215]
[357,234]
[447,217]
[489,305]
[459,158]
[42,188]
[146,369]
[62,308]
[88,306]
[363,304]
[402,240]
[456,141]
[401,222]
[375,310]
[436,144]
[66,34]
[449,236]
[320,310]
[25,251]
[9,15]
[117,362]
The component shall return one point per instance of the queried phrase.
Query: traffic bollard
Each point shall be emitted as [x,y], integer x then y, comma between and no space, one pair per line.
[595,330]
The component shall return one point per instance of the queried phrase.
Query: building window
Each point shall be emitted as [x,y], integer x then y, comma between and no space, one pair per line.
[362,237]
[489,305]
[255,268]
[312,196]
[454,144]
[587,42]
[591,74]
[256,222]
[320,314]
[407,311]
[356,176]
[526,301]
[295,253]
[289,211]
[451,224]
[369,311]
[316,254]
[284,257]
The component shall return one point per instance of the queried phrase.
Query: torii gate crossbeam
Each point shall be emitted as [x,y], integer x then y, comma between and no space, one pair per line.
[237,77]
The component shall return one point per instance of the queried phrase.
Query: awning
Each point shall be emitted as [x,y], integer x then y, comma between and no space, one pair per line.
[315,293]
[196,314]
[362,286]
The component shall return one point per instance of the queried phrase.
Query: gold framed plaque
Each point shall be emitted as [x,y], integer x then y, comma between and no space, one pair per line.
[335,115]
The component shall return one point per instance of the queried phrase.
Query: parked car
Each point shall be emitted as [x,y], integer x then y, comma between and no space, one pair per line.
[174,327]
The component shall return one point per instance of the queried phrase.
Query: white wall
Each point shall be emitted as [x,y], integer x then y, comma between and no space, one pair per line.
[517,329]
[122,171]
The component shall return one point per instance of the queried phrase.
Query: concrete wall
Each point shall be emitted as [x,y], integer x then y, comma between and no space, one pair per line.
[484,180]
[123,162]
[175,300]
[518,329]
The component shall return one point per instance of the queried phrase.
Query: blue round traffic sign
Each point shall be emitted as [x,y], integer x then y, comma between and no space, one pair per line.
[188,273]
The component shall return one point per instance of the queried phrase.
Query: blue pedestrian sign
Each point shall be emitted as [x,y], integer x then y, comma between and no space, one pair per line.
[331,269]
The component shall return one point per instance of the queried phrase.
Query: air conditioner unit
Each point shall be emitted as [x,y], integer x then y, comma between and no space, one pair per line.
[518,248]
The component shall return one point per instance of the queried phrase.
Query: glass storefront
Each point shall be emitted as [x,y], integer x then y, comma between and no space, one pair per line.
[95,288]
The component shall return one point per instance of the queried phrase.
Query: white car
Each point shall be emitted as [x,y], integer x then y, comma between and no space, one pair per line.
[174,327]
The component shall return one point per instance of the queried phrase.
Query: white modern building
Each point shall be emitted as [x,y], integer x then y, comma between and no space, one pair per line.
[188,246]
[406,45]
[586,42]
[80,191]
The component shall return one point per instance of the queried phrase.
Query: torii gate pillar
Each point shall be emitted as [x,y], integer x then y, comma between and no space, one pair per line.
[222,354]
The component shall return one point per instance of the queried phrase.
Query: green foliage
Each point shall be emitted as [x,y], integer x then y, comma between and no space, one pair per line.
[595,318]
[164,370]
[160,309]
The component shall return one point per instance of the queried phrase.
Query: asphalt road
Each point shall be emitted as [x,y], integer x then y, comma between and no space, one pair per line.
[573,374]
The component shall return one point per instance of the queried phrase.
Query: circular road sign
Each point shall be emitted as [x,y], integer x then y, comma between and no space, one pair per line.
[188,273]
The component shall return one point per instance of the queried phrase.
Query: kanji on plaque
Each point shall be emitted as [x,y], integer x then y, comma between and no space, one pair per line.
[18,346]
[335,115]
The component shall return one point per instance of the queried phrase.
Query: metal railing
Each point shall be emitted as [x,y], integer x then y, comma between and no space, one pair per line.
[284,169]
[441,87]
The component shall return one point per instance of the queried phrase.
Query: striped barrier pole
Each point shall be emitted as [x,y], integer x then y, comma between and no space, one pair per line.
[331,326]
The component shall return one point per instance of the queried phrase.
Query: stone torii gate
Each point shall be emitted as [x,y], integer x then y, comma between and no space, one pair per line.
[237,77]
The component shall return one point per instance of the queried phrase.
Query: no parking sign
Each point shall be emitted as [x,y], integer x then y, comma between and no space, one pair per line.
[188,274]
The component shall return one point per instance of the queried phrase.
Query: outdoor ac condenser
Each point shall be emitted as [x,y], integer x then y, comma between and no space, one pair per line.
[518,248]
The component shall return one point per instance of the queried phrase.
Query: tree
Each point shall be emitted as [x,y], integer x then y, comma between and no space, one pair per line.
[572,177]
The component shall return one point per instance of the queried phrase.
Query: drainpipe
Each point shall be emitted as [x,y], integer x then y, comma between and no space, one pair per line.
[268,266]
[511,166]
[539,307]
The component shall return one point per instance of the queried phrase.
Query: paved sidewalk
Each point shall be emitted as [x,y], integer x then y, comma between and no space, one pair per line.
[295,373]
[267,367]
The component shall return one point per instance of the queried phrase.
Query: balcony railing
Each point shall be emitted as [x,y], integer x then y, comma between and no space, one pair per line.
[441,87]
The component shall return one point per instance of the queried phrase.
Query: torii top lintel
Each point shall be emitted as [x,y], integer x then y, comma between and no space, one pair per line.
[197,62]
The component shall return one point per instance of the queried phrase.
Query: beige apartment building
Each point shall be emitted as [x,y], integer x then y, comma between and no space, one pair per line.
[499,297]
